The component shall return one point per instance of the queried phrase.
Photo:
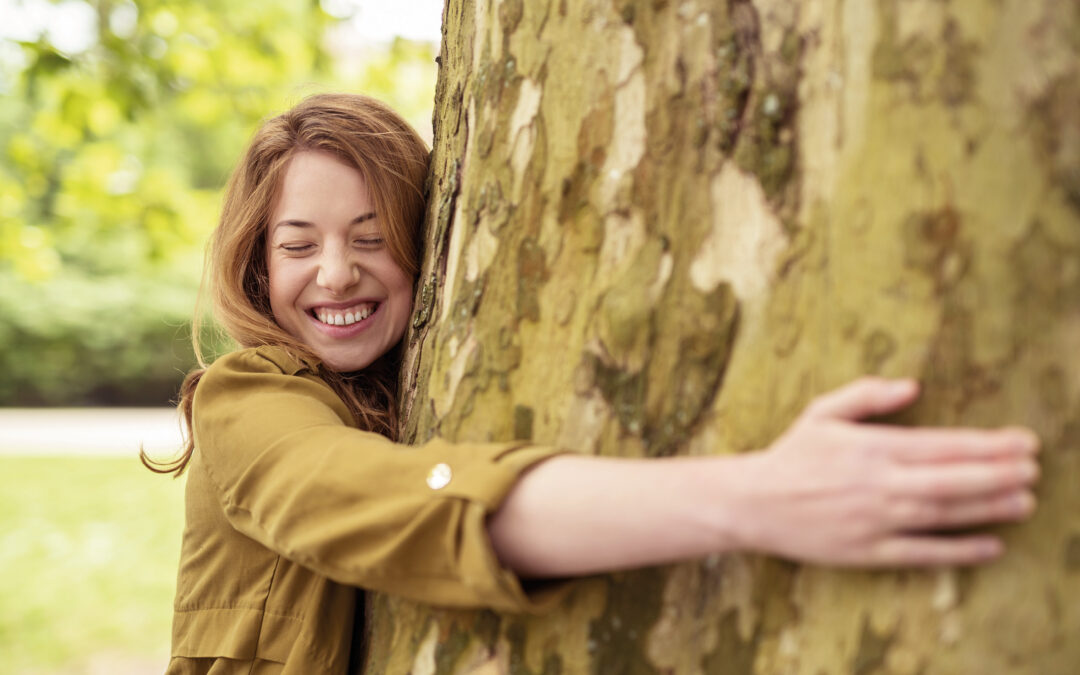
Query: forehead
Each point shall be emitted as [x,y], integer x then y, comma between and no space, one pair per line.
[318,187]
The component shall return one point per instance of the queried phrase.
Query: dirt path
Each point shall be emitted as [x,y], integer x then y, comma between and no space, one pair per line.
[88,431]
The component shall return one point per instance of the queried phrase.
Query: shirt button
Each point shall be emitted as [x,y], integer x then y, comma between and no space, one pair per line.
[439,477]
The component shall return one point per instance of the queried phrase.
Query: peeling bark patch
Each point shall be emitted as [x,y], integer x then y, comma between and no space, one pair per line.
[450,649]
[877,348]
[423,309]
[950,378]
[523,423]
[759,101]
[617,637]
[899,60]
[516,636]
[1047,269]
[594,135]
[466,300]
[931,61]
[688,358]
[735,73]
[624,392]
[872,651]
[932,244]
[532,273]
[624,318]
[521,136]
[626,9]
[510,13]
[766,146]
[464,359]
[687,365]
[744,241]
[553,664]
[957,83]
[575,191]
[1055,125]
[732,655]
[628,146]
[707,325]
[445,215]
[491,81]
[1053,387]
[1072,553]
[424,663]
[480,253]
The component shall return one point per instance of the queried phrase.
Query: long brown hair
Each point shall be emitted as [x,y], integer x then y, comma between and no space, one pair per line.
[392,159]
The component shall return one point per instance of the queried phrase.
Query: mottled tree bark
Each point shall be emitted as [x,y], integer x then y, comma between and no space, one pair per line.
[660,227]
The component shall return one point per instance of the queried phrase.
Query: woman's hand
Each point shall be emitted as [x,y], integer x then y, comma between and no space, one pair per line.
[831,490]
[835,491]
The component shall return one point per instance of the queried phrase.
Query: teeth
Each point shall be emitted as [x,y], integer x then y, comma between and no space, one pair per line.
[348,318]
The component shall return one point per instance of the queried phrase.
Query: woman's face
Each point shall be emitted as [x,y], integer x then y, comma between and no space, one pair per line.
[333,283]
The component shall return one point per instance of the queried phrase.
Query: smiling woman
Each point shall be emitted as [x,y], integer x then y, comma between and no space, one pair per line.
[334,284]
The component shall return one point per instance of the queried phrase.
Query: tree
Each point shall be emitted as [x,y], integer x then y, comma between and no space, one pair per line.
[112,159]
[660,227]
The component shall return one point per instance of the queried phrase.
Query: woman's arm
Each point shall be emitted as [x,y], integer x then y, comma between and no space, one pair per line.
[831,491]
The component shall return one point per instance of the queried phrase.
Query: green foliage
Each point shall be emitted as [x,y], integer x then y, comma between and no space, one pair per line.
[111,166]
[90,575]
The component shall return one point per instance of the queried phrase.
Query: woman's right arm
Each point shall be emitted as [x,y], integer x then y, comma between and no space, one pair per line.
[830,491]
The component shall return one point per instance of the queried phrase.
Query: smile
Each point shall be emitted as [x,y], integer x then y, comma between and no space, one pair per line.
[344,317]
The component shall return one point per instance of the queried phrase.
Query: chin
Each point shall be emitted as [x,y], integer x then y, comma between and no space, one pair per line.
[348,365]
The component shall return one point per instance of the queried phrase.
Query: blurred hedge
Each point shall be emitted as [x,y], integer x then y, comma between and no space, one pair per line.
[111,165]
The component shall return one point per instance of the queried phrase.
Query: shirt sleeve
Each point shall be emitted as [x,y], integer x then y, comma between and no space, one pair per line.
[352,505]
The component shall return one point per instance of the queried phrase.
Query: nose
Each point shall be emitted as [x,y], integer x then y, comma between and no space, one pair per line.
[338,272]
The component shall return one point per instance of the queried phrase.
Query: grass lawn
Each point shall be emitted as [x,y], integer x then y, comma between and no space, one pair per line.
[88,553]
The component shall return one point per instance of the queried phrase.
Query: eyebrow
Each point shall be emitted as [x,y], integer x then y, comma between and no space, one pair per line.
[304,223]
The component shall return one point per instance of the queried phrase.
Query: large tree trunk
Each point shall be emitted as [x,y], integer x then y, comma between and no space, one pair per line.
[660,227]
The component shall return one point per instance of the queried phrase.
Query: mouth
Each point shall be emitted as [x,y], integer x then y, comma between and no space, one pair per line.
[345,316]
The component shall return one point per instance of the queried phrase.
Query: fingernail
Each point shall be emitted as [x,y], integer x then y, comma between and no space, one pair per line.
[991,548]
[1024,504]
[1030,470]
[1021,438]
[1026,471]
[1027,440]
[904,386]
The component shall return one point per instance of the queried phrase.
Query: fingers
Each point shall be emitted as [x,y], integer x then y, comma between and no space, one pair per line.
[930,551]
[910,515]
[931,445]
[865,397]
[962,480]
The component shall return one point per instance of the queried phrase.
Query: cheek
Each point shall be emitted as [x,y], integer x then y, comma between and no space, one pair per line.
[400,288]
[282,283]
[406,290]
[275,284]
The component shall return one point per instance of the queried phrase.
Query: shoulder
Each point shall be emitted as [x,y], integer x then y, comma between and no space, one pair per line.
[262,384]
[265,359]
[272,376]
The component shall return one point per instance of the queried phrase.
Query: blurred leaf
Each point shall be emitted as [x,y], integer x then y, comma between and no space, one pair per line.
[111,165]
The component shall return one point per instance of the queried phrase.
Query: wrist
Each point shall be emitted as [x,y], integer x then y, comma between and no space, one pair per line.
[739,520]
[723,503]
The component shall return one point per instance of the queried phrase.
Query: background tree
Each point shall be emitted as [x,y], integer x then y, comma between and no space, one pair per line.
[661,226]
[114,145]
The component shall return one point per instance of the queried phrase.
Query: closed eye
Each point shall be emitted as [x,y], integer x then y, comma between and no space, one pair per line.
[369,242]
[296,248]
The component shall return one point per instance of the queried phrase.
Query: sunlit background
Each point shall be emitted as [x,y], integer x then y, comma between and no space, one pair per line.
[119,124]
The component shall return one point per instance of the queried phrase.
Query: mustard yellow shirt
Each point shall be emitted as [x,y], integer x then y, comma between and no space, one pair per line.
[289,509]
